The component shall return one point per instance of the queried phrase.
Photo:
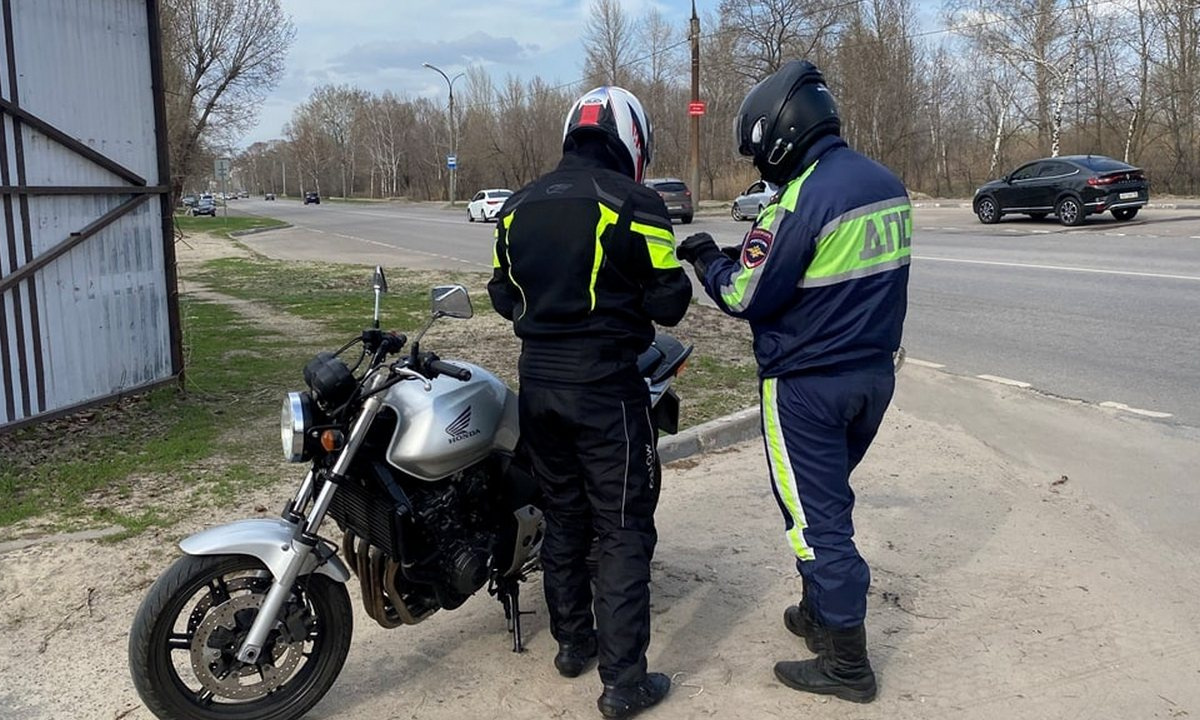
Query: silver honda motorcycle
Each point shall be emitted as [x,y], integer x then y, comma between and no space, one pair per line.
[413,458]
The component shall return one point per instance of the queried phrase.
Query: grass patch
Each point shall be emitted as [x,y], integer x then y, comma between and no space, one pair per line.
[225,224]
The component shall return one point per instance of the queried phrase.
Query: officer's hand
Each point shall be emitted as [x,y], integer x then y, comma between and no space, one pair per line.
[696,247]
[733,252]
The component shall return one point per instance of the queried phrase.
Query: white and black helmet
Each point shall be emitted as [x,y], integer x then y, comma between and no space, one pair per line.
[618,115]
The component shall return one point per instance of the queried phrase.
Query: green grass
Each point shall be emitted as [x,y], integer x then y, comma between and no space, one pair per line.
[223,224]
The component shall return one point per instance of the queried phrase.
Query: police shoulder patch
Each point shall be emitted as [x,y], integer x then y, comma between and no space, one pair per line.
[756,247]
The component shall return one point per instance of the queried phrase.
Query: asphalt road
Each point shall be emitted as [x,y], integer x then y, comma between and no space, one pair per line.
[1108,312]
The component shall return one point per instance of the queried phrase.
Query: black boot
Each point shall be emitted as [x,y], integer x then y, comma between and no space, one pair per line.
[573,657]
[798,619]
[842,670]
[624,702]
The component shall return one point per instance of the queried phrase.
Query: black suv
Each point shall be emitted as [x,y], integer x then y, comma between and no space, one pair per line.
[676,195]
[1071,187]
[312,197]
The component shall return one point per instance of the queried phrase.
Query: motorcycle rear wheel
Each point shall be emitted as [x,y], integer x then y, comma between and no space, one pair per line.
[193,619]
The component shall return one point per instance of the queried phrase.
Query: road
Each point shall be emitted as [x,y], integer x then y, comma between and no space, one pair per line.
[1107,312]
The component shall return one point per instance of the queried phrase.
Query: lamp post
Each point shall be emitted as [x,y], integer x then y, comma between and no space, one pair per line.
[453,132]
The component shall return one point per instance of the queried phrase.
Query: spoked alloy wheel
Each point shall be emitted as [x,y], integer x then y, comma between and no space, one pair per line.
[735,213]
[184,642]
[988,212]
[1070,211]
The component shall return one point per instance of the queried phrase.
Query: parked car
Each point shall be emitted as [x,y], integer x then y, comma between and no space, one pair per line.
[749,204]
[243,194]
[189,201]
[486,203]
[312,196]
[1070,187]
[205,206]
[676,195]
[269,196]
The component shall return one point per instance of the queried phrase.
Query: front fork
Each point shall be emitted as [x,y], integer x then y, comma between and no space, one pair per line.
[306,539]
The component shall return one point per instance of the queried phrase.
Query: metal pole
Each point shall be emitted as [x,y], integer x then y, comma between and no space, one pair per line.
[695,127]
[453,132]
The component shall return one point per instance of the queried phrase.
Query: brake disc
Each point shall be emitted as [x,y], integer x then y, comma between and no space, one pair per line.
[217,668]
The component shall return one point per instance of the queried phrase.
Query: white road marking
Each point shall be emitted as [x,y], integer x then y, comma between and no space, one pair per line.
[1135,411]
[924,363]
[1004,381]
[404,249]
[1040,232]
[1066,268]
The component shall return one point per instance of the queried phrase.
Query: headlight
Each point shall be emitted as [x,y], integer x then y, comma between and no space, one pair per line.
[295,418]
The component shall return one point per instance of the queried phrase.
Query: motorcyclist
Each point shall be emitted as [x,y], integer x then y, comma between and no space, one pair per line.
[584,263]
[822,277]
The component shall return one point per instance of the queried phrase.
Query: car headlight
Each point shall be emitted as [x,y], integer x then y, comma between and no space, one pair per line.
[295,418]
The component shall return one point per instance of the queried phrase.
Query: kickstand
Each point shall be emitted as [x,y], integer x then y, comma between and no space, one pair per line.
[508,592]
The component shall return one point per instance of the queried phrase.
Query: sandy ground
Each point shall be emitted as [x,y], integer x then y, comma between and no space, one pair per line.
[1001,589]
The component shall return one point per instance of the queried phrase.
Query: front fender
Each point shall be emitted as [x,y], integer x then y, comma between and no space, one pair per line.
[268,539]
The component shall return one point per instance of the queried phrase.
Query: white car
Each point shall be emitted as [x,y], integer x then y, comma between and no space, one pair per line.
[486,204]
[749,204]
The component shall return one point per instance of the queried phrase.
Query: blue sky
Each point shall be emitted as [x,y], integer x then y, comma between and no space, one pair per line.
[379,45]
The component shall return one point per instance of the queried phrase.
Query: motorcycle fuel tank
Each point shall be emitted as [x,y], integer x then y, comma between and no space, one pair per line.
[452,425]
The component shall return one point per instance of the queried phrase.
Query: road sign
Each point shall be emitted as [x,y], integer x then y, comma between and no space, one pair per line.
[221,168]
[451,161]
[696,108]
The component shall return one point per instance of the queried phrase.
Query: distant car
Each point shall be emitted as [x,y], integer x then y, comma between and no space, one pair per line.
[269,196]
[1070,187]
[486,203]
[208,197]
[189,201]
[243,194]
[204,207]
[313,197]
[749,204]
[676,195]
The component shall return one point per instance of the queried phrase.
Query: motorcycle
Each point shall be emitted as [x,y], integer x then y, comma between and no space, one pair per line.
[413,457]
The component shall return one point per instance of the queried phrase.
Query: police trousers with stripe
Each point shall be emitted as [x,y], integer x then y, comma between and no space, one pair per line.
[817,427]
[593,449]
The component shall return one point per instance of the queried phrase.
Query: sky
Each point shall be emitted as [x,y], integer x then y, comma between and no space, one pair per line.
[379,45]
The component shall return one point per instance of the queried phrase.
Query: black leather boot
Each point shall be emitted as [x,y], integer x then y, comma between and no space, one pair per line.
[798,619]
[625,702]
[841,670]
[573,657]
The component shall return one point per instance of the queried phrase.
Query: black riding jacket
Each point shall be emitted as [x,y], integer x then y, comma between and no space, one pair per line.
[584,262]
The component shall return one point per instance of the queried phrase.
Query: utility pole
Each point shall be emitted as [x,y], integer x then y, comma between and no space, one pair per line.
[695,128]
[451,166]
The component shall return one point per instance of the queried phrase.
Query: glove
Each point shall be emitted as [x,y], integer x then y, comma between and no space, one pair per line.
[733,252]
[697,248]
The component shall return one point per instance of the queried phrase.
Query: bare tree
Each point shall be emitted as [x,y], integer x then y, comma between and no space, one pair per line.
[221,58]
[768,33]
[608,40]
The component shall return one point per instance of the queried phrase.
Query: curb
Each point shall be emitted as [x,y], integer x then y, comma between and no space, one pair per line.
[255,231]
[715,434]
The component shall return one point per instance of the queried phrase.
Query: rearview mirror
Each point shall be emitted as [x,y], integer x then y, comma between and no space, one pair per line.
[451,301]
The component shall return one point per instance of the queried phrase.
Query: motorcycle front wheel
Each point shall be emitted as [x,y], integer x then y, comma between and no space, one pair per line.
[185,637]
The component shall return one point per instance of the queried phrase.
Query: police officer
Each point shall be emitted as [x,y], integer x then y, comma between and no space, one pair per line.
[822,277]
[584,262]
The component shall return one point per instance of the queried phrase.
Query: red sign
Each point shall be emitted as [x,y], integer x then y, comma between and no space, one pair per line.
[696,108]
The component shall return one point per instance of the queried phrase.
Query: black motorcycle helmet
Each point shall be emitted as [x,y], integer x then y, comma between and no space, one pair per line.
[782,117]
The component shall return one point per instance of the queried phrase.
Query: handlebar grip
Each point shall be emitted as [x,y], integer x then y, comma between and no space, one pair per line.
[454,371]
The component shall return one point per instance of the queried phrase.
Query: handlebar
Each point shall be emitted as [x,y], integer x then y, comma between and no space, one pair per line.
[444,368]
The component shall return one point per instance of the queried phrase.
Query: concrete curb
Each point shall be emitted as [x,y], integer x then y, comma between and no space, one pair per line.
[712,435]
[255,231]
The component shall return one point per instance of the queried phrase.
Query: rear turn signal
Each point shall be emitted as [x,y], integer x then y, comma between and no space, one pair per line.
[332,440]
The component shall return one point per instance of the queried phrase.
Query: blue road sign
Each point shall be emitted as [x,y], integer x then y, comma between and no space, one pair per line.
[451,161]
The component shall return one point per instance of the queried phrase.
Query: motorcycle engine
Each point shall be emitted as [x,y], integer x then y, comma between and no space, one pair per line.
[452,519]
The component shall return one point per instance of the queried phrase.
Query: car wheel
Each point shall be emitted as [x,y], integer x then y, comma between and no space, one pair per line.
[1124,214]
[733,212]
[686,219]
[1038,216]
[470,215]
[1070,211]
[987,210]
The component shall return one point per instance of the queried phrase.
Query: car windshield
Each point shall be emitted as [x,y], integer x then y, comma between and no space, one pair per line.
[670,187]
[499,193]
[1105,164]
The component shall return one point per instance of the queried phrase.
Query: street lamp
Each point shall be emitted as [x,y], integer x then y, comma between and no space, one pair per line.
[453,134]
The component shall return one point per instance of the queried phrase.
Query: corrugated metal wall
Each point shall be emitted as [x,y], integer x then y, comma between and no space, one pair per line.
[95,321]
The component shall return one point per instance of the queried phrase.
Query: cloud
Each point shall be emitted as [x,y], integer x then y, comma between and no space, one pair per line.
[476,48]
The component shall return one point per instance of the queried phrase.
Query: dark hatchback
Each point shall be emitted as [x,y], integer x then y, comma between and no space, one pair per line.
[676,195]
[1070,187]
[312,197]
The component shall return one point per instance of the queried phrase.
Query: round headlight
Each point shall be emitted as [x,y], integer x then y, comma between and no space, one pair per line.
[294,420]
